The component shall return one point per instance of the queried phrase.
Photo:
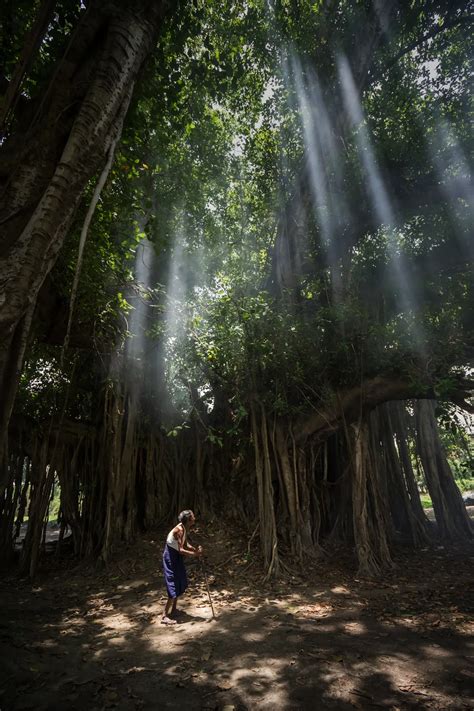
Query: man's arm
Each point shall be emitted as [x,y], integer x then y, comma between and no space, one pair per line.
[197,551]
[184,547]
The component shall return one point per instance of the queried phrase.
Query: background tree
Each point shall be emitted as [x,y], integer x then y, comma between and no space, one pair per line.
[76,100]
[305,277]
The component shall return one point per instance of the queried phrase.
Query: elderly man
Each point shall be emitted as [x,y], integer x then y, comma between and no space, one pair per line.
[176,548]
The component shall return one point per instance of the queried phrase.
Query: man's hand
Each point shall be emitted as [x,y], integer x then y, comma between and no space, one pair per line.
[199,551]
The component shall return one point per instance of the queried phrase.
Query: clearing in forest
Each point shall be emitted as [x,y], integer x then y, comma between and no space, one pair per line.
[79,639]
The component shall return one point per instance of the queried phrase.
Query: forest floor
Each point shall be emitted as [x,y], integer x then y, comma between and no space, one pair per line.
[85,639]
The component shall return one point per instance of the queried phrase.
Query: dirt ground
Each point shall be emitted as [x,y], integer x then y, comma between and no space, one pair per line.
[82,639]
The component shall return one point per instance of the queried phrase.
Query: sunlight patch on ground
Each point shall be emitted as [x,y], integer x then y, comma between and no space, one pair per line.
[340,590]
[134,584]
[254,636]
[263,682]
[435,650]
[355,628]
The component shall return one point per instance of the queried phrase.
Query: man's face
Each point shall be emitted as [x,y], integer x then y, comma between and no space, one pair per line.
[192,520]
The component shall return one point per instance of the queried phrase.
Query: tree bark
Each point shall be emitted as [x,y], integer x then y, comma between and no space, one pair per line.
[291,492]
[370,534]
[13,352]
[347,405]
[399,418]
[266,510]
[40,494]
[404,514]
[80,114]
[452,518]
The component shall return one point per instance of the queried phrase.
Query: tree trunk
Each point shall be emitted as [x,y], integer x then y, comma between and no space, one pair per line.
[110,464]
[399,419]
[266,510]
[68,476]
[44,172]
[452,518]
[369,525]
[288,476]
[40,494]
[403,514]
[11,361]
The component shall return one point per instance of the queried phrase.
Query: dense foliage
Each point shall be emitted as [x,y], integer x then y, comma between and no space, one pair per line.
[211,157]
[287,221]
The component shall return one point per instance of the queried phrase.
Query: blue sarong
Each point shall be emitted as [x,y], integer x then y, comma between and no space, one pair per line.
[175,573]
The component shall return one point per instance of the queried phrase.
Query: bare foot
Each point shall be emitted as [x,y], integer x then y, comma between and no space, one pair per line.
[167,621]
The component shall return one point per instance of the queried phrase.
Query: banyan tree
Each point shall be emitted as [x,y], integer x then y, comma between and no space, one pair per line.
[235,273]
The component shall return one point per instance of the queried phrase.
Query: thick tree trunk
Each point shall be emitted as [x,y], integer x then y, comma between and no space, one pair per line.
[290,486]
[68,475]
[381,469]
[369,522]
[40,494]
[263,474]
[80,116]
[296,495]
[8,506]
[451,516]
[118,431]
[309,513]
[11,361]
[404,514]
[399,420]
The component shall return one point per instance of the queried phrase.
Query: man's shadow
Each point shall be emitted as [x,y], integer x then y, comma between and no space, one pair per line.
[183,618]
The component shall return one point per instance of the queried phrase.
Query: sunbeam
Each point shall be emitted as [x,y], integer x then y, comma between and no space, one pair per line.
[322,160]
[135,346]
[455,178]
[378,195]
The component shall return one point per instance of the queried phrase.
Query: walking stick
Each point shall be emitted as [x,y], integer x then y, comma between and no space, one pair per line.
[208,591]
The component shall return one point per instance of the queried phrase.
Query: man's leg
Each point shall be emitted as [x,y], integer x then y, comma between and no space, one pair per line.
[169,608]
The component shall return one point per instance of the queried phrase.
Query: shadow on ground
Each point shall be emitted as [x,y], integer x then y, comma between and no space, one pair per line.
[82,641]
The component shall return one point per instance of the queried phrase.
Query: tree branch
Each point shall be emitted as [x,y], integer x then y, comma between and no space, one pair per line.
[30,47]
[347,406]
[464,19]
